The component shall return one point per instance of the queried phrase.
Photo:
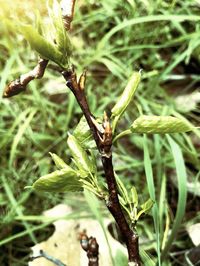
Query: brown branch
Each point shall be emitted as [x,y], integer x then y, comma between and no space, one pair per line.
[90,245]
[19,85]
[78,90]
[103,137]
[67,7]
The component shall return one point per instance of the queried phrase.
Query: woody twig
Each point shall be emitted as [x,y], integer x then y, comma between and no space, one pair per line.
[20,84]
[90,245]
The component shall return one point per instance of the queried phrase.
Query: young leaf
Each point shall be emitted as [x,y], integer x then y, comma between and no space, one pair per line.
[122,190]
[59,181]
[80,156]
[83,134]
[42,46]
[159,125]
[58,161]
[126,96]
[134,196]
[146,207]
[62,39]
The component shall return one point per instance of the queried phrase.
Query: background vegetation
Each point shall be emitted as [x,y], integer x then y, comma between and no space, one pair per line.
[111,39]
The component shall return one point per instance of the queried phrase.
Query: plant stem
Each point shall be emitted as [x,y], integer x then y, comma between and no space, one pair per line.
[122,134]
[104,143]
[130,237]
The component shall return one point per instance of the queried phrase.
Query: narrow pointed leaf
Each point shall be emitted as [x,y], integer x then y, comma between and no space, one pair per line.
[146,207]
[122,190]
[182,194]
[58,161]
[134,195]
[83,134]
[80,156]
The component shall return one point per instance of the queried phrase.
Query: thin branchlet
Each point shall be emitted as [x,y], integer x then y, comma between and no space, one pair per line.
[19,85]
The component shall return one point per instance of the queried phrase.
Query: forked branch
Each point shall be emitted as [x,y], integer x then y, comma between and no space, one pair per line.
[102,134]
[90,245]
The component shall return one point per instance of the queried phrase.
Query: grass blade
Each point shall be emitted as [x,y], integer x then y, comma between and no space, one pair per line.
[151,188]
[19,135]
[17,207]
[145,19]
[182,193]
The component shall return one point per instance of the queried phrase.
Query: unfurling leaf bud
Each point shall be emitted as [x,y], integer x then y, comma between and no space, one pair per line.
[134,196]
[127,95]
[145,208]
[46,49]
[61,37]
[160,125]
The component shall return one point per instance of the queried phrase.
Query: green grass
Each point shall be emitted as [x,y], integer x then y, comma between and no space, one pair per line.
[111,39]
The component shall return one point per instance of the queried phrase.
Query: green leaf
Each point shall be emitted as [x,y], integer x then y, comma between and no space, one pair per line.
[62,40]
[83,134]
[80,156]
[152,193]
[58,161]
[122,190]
[134,196]
[147,261]
[20,133]
[59,181]
[182,193]
[146,207]
[126,97]
[42,46]
[120,258]
[159,125]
